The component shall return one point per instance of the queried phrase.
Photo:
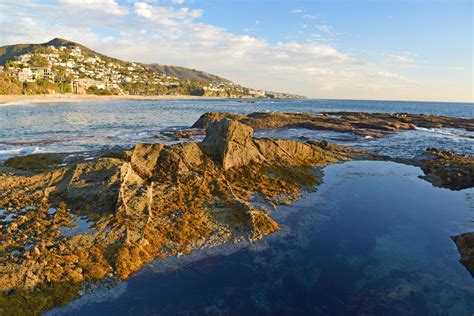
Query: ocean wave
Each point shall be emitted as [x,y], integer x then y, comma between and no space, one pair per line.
[10,152]
[42,141]
[449,132]
[31,102]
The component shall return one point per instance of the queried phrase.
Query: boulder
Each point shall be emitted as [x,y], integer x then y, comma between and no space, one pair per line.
[144,158]
[206,118]
[230,143]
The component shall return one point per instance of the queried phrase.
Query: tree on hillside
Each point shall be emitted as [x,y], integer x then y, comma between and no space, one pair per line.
[39,61]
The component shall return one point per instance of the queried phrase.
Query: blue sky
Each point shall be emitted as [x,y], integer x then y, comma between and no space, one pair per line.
[404,50]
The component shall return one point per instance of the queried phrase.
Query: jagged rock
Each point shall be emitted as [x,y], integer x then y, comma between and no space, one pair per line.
[144,158]
[151,201]
[363,124]
[204,120]
[154,201]
[465,244]
[92,185]
[447,169]
[231,143]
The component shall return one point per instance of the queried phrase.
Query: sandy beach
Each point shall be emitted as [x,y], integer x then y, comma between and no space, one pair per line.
[89,97]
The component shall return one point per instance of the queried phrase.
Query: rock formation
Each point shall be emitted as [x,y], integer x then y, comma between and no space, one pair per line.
[465,244]
[154,201]
[364,124]
[151,201]
[447,169]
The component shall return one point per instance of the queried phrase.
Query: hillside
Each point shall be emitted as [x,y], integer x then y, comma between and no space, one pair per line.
[60,66]
[10,52]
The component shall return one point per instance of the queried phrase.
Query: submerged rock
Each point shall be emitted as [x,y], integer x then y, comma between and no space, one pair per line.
[465,244]
[151,201]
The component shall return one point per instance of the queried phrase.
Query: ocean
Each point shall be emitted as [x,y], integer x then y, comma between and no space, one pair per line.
[76,126]
[373,239]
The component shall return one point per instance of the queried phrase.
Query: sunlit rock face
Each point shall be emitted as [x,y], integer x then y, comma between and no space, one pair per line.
[231,144]
[151,201]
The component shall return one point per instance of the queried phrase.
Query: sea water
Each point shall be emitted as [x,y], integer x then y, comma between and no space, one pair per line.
[30,127]
[374,239]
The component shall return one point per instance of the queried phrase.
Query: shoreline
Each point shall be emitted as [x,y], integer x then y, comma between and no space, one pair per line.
[91,97]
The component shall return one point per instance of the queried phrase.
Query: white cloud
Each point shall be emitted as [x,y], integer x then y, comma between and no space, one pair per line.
[402,57]
[177,1]
[296,11]
[324,28]
[166,16]
[106,6]
[156,33]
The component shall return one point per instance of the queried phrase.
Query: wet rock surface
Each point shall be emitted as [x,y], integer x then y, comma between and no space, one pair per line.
[152,201]
[465,244]
[442,168]
[364,124]
[447,169]
[155,201]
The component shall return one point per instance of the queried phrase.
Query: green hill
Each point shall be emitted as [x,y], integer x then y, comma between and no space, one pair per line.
[72,67]
[10,52]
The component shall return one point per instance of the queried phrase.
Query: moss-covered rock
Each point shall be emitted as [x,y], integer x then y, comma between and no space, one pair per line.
[447,169]
[35,162]
[151,202]
[465,244]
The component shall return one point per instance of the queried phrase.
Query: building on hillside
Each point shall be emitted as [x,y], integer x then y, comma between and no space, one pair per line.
[41,73]
[25,58]
[80,86]
[76,52]
[257,93]
[70,63]
[25,75]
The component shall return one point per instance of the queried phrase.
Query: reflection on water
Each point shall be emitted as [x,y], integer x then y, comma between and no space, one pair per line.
[373,240]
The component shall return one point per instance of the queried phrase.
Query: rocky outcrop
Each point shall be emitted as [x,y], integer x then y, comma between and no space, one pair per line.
[364,124]
[208,117]
[465,244]
[231,144]
[151,201]
[447,169]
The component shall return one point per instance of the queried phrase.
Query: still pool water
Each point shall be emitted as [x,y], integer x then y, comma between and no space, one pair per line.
[374,239]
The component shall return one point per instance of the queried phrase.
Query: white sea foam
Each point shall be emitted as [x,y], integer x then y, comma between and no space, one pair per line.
[10,152]
[449,132]
[31,102]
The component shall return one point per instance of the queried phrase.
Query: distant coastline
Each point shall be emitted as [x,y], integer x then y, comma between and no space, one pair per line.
[91,97]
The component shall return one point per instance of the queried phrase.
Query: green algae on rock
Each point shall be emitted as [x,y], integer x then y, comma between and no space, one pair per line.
[152,201]
[447,169]
[465,244]
[35,162]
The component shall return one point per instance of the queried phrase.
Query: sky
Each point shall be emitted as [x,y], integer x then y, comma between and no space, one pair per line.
[328,49]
